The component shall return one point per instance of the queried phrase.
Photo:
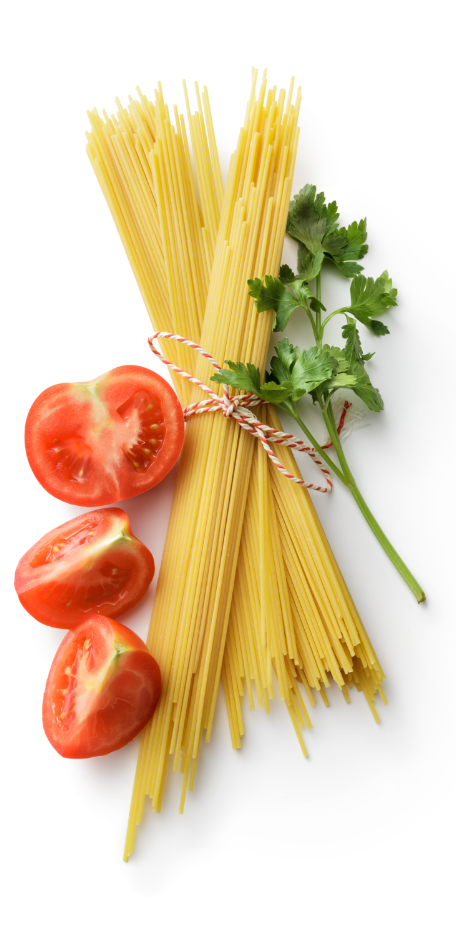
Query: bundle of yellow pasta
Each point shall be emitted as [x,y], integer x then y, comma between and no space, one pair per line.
[283,604]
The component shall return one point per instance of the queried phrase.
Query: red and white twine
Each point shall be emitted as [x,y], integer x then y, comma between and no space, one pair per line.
[239,408]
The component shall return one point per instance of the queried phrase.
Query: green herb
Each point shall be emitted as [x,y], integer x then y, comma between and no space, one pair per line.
[314,225]
[321,370]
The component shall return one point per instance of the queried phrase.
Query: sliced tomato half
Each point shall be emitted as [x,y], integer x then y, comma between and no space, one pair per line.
[102,689]
[95,443]
[92,563]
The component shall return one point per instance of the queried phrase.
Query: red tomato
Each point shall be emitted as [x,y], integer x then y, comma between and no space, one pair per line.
[114,437]
[102,689]
[92,563]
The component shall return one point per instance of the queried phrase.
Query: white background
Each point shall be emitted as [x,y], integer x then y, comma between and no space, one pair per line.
[363,831]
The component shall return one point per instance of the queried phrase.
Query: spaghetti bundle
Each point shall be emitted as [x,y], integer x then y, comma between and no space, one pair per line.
[281,605]
[192,603]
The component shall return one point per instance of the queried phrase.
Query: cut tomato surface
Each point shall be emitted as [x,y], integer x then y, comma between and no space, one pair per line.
[95,443]
[102,689]
[92,563]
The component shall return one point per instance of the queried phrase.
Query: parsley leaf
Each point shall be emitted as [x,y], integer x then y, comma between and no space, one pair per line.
[370,298]
[293,374]
[309,219]
[312,369]
[266,295]
[287,353]
[309,265]
[273,294]
[239,376]
[306,370]
[276,393]
[314,224]
[374,296]
[354,360]
[354,247]
[286,275]
[247,377]
[357,379]
[353,342]
[338,355]
[365,389]
[339,376]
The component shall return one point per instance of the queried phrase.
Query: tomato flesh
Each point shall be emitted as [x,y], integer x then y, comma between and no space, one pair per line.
[93,563]
[109,439]
[102,689]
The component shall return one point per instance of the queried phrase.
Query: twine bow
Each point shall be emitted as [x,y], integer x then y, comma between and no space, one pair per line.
[239,408]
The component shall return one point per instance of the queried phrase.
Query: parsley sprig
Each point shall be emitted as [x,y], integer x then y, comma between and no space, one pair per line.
[322,369]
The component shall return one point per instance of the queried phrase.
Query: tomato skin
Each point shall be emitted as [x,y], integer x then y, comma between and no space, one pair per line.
[96,443]
[102,689]
[92,563]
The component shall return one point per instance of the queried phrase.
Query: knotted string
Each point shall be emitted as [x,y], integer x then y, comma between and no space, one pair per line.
[239,408]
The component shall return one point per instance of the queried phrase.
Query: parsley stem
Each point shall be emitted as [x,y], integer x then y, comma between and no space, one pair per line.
[318,448]
[318,325]
[314,325]
[336,312]
[350,483]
